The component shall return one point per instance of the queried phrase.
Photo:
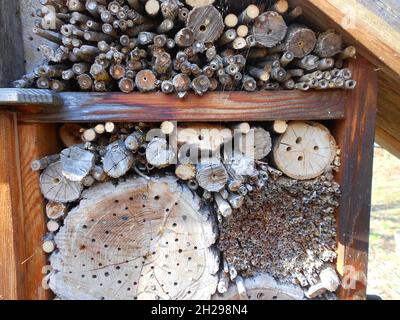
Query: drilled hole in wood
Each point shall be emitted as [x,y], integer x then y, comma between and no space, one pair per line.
[300,158]
[298,140]
[316,148]
[288,149]
[203,28]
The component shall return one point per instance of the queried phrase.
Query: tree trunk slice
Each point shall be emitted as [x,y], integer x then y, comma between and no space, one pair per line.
[256,144]
[204,136]
[269,29]
[305,150]
[127,247]
[300,40]
[206,23]
[263,287]
[117,160]
[328,44]
[211,175]
[159,154]
[55,187]
[185,171]
[77,163]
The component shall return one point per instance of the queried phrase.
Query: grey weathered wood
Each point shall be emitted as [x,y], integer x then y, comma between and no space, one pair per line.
[206,23]
[14,96]
[56,187]
[12,65]
[159,154]
[211,175]
[269,29]
[77,163]
[117,160]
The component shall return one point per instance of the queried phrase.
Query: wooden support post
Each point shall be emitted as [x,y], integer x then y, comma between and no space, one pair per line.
[35,141]
[12,251]
[355,137]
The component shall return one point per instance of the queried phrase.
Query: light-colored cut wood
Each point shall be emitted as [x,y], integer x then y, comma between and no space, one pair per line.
[211,175]
[305,150]
[263,287]
[117,160]
[56,187]
[77,163]
[256,144]
[55,210]
[159,154]
[185,171]
[138,240]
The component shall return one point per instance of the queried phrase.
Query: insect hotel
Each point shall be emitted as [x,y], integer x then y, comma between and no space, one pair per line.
[192,149]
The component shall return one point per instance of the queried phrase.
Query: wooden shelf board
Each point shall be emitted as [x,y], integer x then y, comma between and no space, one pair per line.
[46,107]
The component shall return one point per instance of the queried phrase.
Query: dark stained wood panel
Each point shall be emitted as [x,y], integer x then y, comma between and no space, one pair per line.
[154,107]
[355,137]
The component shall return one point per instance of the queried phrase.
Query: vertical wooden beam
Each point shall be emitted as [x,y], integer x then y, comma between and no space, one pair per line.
[12,64]
[12,270]
[355,136]
[36,141]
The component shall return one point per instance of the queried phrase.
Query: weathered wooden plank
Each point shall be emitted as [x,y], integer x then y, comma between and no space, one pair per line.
[35,97]
[12,270]
[216,106]
[355,136]
[36,141]
[12,64]
[388,10]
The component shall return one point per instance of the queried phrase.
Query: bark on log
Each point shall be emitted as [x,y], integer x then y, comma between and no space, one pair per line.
[163,255]
[43,163]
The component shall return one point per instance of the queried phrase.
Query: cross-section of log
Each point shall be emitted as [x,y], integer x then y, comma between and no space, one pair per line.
[55,187]
[269,29]
[262,287]
[117,160]
[305,150]
[256,144]
[138,240]
[206,23]
[77,163]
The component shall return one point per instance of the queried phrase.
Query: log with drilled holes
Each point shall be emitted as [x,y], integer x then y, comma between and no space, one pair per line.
[138,240]
[305,150]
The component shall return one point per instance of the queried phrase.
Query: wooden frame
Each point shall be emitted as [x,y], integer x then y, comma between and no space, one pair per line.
[22,219]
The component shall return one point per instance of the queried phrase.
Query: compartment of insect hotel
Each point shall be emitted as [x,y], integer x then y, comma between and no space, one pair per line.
[192,149]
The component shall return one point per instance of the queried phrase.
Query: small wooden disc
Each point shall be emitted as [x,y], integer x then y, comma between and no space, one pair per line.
[56,187]
[146,80]
[206,23]
[305,150]
[269,29]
